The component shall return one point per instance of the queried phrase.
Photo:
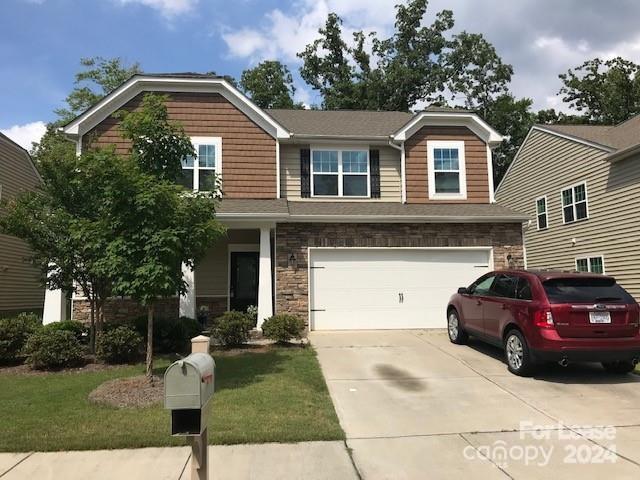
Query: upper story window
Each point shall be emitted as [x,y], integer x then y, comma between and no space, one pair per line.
[541,213]
[446,167]
[199,172]
[574,203]
[590,264]
[340,173]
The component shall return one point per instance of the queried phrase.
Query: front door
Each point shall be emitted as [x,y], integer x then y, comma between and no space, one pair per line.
[243,290]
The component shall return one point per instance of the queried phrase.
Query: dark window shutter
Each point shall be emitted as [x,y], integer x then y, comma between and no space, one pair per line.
[374,166]
[305,172]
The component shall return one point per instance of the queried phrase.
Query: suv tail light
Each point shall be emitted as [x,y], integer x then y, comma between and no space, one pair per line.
[543,319]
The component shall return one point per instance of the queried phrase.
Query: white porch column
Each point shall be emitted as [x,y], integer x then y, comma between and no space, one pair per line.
[55,306]
[188,300]
[265,284]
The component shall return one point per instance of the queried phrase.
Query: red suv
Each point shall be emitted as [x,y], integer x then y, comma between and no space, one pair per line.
[549,317]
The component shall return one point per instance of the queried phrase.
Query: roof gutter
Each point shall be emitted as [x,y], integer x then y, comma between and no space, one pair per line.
[622,154]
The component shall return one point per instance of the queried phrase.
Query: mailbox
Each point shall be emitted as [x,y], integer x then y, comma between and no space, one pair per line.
[188,388]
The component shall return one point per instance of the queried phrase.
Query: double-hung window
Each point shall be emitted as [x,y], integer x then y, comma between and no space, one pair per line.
[590,264]
[574,203]
[446,167]
[340,173]
[541,213]
[199,172]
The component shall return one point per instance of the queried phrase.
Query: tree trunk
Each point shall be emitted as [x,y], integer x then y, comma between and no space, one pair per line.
[92,327]
[150,343]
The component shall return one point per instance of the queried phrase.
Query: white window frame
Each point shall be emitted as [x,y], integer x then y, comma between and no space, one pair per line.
[340,172]
[462,169]
[217,143]
[588,259]
[573,204]
[546,212]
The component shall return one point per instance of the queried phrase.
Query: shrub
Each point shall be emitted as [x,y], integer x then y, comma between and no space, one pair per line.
[232,328]
[51,349]
[14,332]
[78,329]
[170,335]
[283,327]
[119,345]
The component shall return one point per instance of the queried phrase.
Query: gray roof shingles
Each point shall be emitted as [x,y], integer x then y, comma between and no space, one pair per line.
[617,137]
[292,210]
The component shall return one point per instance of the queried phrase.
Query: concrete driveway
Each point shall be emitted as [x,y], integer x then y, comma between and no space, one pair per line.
[414,405]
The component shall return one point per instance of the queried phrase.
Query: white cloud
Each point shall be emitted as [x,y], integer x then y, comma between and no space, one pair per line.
[168,8]
[25,134]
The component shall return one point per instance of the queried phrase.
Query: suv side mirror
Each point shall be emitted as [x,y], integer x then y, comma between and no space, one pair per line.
[463,290]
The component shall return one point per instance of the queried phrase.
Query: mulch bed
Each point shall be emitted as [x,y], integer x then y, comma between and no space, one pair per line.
[24,369]
[130,392]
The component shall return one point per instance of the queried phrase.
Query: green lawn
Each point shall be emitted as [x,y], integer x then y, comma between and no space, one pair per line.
[274,396]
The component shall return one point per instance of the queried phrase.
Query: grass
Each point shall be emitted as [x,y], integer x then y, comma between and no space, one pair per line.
[273,396]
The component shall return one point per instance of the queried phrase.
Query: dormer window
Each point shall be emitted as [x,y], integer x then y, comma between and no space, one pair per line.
[199,172]
[446,167]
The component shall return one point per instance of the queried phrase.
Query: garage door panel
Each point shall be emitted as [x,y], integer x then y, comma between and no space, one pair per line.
[389,288]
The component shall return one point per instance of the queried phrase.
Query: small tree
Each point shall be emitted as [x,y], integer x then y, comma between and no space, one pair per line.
[162,226]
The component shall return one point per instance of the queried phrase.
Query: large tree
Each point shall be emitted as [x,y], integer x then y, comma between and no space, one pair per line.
[160,226]
[606,92]
[270,85]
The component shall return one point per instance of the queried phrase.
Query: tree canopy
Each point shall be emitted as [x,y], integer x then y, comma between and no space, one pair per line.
[270,85]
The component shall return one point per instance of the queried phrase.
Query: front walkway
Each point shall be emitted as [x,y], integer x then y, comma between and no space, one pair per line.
[413,405]
[308,460]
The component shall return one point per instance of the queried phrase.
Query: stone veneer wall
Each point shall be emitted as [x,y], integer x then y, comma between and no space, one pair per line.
[292,289]
[122,309]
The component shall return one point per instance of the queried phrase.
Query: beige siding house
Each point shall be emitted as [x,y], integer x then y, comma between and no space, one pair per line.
[20,288]
[580,186]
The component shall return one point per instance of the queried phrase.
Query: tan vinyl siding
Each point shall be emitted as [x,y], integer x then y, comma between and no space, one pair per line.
[475,152]
[212,272]
[546,165]
[390,177]
[20,287]
[248,152]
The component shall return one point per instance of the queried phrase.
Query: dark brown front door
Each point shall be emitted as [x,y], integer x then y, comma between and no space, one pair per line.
[244,280]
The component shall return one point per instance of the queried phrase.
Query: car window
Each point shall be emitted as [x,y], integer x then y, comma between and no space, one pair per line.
[504,286]
[523,289]
[482,285]
[585,290]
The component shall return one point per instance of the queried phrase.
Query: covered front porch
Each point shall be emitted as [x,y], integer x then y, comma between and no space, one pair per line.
[235,274]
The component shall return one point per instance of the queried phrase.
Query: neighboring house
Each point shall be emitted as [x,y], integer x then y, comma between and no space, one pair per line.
[20,286]
[349,219]
[580,187]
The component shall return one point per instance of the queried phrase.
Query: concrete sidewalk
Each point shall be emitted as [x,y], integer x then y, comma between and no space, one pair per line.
[308,460]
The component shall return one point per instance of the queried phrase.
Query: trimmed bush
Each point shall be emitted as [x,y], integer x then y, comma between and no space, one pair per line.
[232,328]
[119,345]
[53,349]
[14,332]
[283,327]
[170,335]
[78,329]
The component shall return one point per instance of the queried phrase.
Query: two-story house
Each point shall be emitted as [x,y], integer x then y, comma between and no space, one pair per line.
[20,287]
[349,219]
[580,187]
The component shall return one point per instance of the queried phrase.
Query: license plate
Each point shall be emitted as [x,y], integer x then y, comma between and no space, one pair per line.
[599,317]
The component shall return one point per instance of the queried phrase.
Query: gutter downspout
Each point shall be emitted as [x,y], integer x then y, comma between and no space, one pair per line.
[402,168]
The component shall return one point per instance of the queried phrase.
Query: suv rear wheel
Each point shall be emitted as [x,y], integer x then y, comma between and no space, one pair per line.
[456,334]
[519,359]
[620,367]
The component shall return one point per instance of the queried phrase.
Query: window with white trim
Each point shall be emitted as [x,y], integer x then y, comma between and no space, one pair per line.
[446,166]
[199,172]
[574,203]
[590,264]
[541,213]
[340,173]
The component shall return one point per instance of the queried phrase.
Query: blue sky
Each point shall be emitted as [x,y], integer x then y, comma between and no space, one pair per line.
[41,41]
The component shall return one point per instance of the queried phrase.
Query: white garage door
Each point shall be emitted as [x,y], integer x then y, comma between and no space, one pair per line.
[355,289]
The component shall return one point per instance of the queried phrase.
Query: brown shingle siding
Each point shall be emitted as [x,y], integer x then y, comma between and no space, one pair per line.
[417,170]
[248,152]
